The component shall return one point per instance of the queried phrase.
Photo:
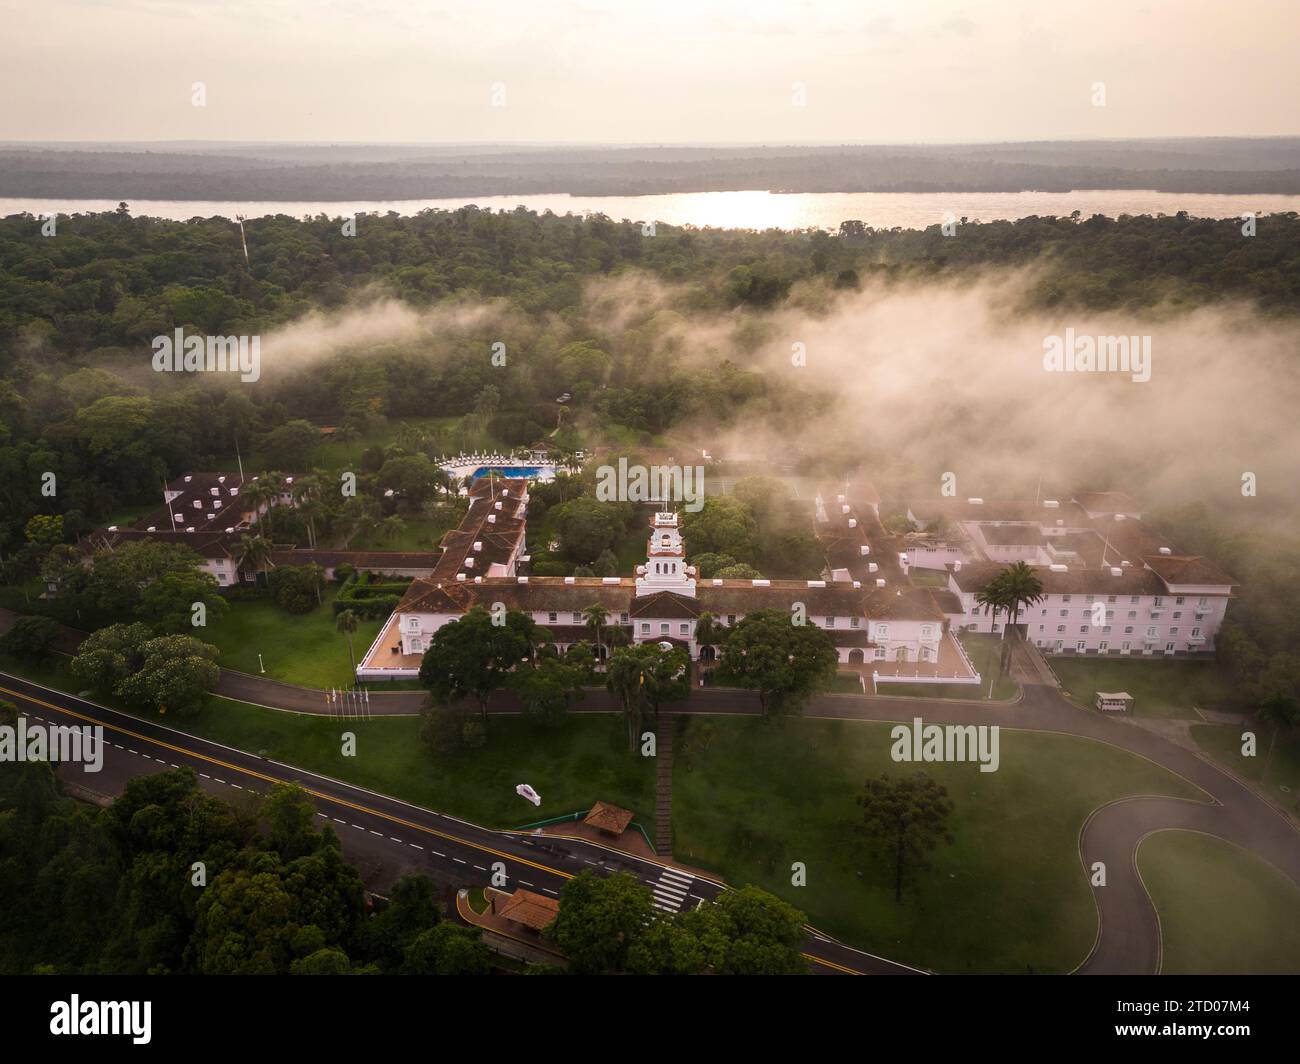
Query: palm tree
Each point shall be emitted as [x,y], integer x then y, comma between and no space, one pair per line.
[346,622]
[1021,588]
[625,680]
[993,597]
[306,491]
[254,551]
[258,493]
[708,633]
[595,617]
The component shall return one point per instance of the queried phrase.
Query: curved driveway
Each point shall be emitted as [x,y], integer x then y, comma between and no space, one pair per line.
[1128,935]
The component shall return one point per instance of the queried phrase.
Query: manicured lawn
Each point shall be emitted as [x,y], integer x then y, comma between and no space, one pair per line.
[985,652]
[1223,742]
[928,578]
[299,649]
[1009,894]
[570,767]
[1222,909]
[1160,687]
[420,533]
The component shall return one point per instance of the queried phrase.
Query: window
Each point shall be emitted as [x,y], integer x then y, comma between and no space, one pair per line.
[880,653]
[830,622]
[684,629]
[927,632]
[1043,613]
[1081,646]
[551,618]
[1157,602]
[663,627]
[855,622]
[1040,627]
[221,578]
[1134,600]
[1178,601]
[1127,647]
[1169,648]
[1103,646]
[1128,629]
[1110,598]
[413,624]
[1151,630]
[1089,599]
[731,619]
[1106,628]
[622,618]
[577,618]
[1083,629]
[1065,598]
[1196,633]
[1202,601]
[882,631]
[1173,631]
[1132,615]
[1065,613]
[417,646]
[1060,629]
[645,627]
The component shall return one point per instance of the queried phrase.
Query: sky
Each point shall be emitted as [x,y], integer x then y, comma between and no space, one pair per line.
[654,71]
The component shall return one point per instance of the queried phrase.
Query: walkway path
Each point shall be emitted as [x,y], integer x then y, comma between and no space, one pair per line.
[1128,938]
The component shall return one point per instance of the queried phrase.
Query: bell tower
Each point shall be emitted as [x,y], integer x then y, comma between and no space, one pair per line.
[665,568]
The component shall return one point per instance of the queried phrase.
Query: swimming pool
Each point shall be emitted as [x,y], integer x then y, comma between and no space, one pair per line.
[507,471]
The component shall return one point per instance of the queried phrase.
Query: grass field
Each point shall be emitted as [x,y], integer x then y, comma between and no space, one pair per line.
[1223,742]
[570,767]
[1160,687]
[1008,895]
[299,649]
[1222,910]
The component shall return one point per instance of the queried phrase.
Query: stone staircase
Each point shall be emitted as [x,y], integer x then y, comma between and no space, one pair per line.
[664,786]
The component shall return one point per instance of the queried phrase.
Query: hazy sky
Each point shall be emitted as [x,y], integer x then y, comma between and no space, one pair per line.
[648,71]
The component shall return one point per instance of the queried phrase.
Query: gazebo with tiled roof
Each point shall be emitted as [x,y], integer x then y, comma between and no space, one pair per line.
[609,819]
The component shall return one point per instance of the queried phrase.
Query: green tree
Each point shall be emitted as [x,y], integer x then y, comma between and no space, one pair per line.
[168,602]
[473,656]
[785,663]
[547,689]
[599,920]
[31,639]
[346,623]
[908,818]
[643,677]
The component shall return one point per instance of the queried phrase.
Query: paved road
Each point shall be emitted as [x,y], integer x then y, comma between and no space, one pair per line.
[376,828]
[1128,938]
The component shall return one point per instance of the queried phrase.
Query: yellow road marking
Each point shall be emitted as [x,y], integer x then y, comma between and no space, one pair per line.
[832,964]
[328,797]
[273,779]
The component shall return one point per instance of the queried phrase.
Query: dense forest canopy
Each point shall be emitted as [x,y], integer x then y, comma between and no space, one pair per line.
[429,296]
[338,172]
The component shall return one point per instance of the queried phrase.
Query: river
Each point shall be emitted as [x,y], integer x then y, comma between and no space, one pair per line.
[738,210]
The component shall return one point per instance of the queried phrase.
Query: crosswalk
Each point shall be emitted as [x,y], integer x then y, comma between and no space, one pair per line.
[670,890]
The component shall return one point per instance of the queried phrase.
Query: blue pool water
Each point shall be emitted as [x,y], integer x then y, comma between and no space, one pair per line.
[506,471]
